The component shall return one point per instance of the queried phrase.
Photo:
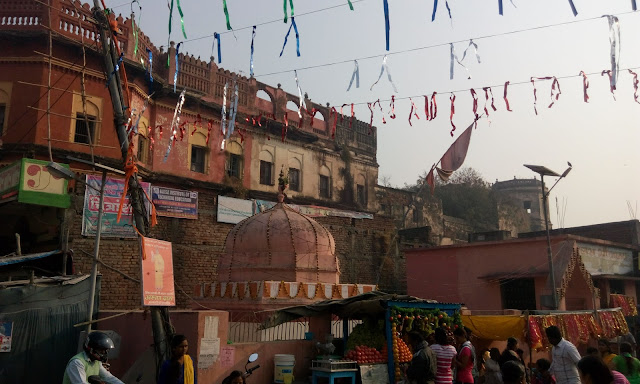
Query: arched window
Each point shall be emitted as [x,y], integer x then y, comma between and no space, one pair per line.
[234,163]
[295,174]
[5,98]
[143,141]
[198,153]
[324,184]
[85,128]
[266,168]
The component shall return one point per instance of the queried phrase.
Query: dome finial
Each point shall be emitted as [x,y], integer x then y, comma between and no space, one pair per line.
[283,182]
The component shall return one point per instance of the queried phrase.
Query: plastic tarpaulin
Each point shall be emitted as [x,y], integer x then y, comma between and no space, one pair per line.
[43,337]
[495,327]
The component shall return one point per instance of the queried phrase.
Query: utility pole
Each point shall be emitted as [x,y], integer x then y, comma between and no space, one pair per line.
[160,322]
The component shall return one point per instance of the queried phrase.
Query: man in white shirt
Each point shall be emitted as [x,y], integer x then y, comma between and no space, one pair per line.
[89,362]
[565,357]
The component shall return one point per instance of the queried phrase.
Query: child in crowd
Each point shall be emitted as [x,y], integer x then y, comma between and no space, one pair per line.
[543,376]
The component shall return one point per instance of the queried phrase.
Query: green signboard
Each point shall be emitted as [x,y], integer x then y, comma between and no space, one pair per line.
[31,181]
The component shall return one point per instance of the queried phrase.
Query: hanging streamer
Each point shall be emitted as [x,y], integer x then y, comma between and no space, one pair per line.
[382,69]
[487,91]
[426,108]
[136,29]
[414,111]
[175,75]
[381,111]
[434,106]
[174,123]
[169,36]
[352,116]
[181,18]
[386,20]
[446,4]
[612,87]
[634,6]
[115,69]
[134,129]
[454,58]
[334,112]
[302,104]
[506,101]
[585,86]
[209,127]
[253,36]
[392,105]
[226,14]
[295,27]
[351,5]
[355,75]
[435,8]
[573,8]
[453,111]
[216,38]
[223,116]
[635,85]
[285,126]
[285,9]
[371,111]
[150,70]
[500,11]
[233,111]
[555,95]
[614,41]
[475,50]
[475,105]
[196,124]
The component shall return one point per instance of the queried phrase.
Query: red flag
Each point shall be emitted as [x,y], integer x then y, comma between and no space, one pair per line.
[457,152]
[431,182]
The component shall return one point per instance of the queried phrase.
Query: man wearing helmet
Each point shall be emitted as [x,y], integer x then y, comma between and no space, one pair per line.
[89,362]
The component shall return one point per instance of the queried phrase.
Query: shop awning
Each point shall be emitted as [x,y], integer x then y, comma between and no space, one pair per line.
[495,327]
[6,260]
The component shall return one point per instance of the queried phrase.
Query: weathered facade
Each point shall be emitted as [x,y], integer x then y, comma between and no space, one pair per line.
[326,168]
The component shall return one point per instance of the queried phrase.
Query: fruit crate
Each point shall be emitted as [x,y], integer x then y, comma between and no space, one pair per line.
[334,365]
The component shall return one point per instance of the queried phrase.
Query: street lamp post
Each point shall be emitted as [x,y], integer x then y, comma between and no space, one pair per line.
[542,171]
[60,171]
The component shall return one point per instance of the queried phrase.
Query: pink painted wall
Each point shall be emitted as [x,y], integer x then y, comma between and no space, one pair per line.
[452,274]
[136,337]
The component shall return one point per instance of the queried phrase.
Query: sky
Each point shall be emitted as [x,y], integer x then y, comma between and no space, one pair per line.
[532,39]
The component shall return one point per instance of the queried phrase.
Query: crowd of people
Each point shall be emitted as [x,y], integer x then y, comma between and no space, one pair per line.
[445,360]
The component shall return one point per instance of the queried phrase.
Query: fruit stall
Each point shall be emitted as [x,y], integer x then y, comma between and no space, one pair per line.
[371,341]
[378,346]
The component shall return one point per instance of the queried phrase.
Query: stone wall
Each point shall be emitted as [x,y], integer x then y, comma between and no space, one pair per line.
[363,247]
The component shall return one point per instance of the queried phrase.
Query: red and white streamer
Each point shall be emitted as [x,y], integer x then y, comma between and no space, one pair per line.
[413,112]
[635,85]
[506,101]
[487,92]
[453,111]
[585,86]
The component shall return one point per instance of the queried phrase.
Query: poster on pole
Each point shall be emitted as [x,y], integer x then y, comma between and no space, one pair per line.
[157,273]
[175,202]
[112,193]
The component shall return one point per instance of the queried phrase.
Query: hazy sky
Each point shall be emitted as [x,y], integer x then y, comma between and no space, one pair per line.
[599,138]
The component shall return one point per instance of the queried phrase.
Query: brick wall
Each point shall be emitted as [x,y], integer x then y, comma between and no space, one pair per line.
[364,248]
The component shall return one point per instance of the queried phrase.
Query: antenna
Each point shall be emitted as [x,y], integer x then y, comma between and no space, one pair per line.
[632,212]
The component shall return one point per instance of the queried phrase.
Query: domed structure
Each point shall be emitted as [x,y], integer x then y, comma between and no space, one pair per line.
[279,244]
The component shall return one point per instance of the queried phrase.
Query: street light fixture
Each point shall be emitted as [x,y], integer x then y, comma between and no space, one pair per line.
[544,171]
[66,173]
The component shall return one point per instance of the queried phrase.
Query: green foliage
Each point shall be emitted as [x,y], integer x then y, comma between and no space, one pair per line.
[370,333]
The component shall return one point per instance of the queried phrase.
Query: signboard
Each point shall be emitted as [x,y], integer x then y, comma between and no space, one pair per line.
[31,182]
[175,202]
[232,210]
[157,273]
[227,356]
[112,193]
[5,336]
[9,180]
[606,260]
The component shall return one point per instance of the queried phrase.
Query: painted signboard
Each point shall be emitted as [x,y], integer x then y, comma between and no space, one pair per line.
[232,210]
[31,182]
[606,260]
[112,193]
[157,273]
[175,202]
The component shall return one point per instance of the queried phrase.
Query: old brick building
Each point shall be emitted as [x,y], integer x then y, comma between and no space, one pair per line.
[73,116]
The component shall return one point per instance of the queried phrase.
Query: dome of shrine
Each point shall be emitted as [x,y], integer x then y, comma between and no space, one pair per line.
[279,244]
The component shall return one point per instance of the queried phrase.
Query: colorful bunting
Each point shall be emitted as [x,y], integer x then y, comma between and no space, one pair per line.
[175,75]
[573,8]
[355,75]
[382,69]
[506,101]
[487,91]
[136,28]
[223,116]
[285,9]
[454,56]
[453,111]
[555,95]
[226,14]
[585,86]
[253,36]
[614,41]
[386,21]
[302,104]
[174,123]
[475,105]
[295,27]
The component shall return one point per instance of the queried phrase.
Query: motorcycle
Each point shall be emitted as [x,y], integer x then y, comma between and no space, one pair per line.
[248,371]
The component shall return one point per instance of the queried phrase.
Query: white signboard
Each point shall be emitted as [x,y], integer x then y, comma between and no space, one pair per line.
[232,210]
[209,352]
[604,260]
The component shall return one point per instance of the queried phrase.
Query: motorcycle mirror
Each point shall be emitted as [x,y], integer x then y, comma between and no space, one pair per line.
[253,357]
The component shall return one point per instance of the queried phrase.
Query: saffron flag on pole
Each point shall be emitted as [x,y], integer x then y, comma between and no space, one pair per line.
[457,152]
